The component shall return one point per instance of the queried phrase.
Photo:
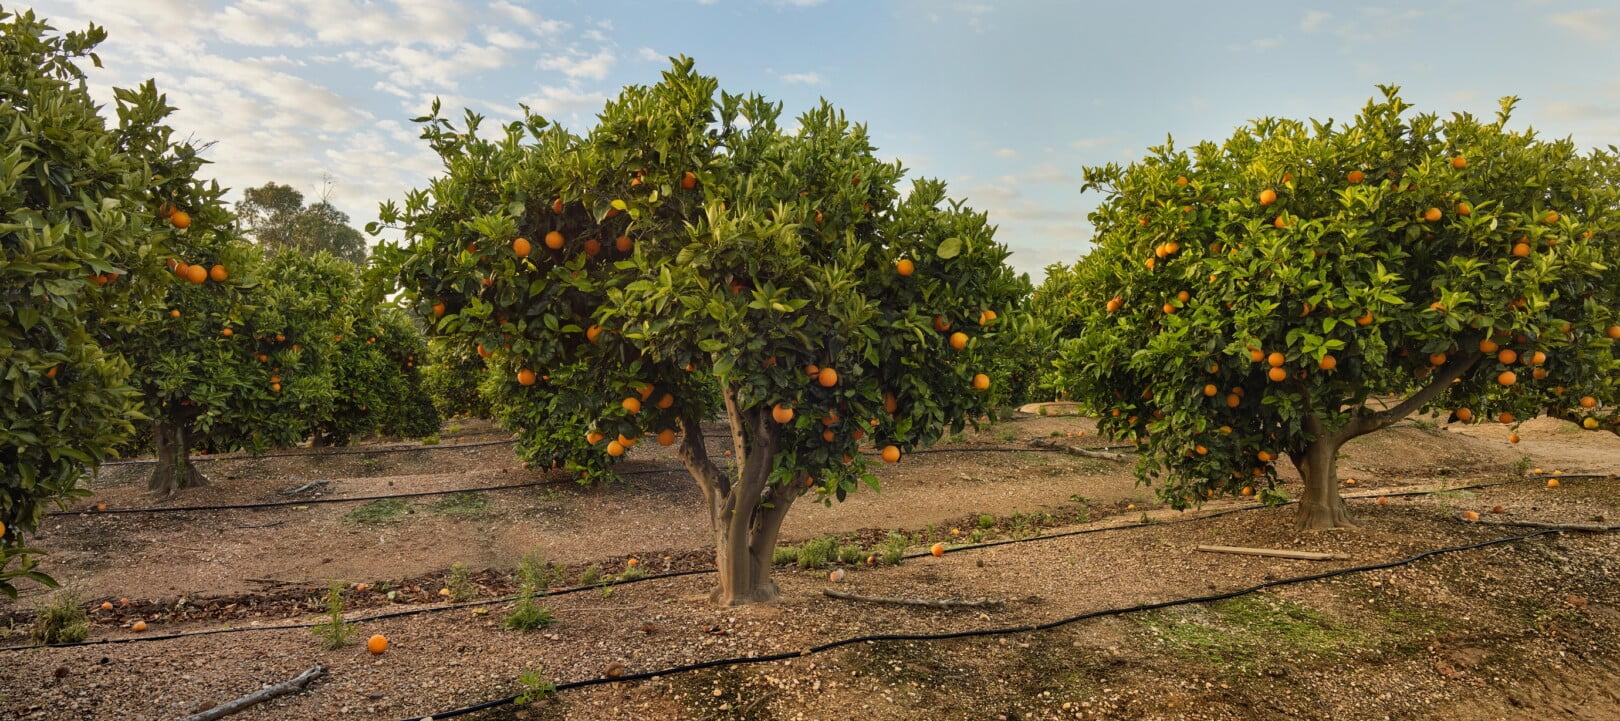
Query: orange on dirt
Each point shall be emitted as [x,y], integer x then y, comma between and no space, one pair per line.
[1328,363]
[1431,215]
[1590,424]
[1506,356]
[1513,438]
[1465,415]
[525,377]
[554,240]
[781,414]
[1552,482]
[631,404]
[632,562]
[1210,389]
[196,274]
[180,219]
[227,332]
[1507,378]
[827,377]
[1470,516]
[1437,359]
[1588,402]
[688,180]
[521,247]
[1355,177]
[937,549]
[139,626]
[1268,196]
[377,644]
[1275,360]
[593,332]
[981,382]
[905,266]
[218,274]
[1521,250]
[959,340]
[615,449]
[891,454]
[1277,375]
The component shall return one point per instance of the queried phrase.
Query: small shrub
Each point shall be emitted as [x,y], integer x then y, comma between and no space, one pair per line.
[893,549]
[528,615]
[987,521]
[62,620]
[536,572]
[333,632]
[632,573]
[590,576]
[460,584]
[783,555]
[535,688]
[432,440]
[851,555]
[818,552]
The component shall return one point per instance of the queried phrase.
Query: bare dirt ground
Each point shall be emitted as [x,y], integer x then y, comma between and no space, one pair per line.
[1529,629]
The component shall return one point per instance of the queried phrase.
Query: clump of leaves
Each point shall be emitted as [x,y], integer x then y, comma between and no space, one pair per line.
[62,620]
[333,632]
[536,687]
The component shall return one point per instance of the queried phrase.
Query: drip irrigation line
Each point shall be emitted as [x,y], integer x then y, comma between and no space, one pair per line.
[986,632]
[698,571]
[327,452]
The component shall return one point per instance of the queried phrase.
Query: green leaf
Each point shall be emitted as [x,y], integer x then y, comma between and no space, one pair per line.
[949,248]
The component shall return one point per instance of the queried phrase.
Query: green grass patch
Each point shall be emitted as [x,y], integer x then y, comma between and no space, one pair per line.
[382,510]
[1237,635]
[465,504]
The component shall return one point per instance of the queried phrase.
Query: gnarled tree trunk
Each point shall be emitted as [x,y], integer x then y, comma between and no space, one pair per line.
[745,510]
[174,471]
[1321,507]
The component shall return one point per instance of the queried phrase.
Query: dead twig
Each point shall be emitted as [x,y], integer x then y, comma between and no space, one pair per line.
[1083,453]
[1275,553]
[296,684]
[926,602]
[311,486]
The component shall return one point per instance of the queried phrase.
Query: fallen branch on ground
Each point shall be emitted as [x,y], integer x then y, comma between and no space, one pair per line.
[1275,553]
[1071,450]
[928,602]
[297,683]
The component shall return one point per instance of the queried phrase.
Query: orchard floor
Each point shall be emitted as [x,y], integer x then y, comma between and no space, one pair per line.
[1528,629]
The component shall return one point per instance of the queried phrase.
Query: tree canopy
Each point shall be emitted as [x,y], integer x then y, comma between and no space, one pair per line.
[275,216]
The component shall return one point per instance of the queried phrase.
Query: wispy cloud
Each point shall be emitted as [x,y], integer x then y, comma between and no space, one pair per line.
[1313,20]
[595,66]
[803,78]
[1595,25]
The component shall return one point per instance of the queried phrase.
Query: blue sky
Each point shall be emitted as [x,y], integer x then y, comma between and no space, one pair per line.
[1007,100]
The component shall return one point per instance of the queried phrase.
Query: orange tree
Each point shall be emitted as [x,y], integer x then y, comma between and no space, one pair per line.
[690,243]
[451,379]
[1054,314]
[79,246]
[377,381]
[1304,284]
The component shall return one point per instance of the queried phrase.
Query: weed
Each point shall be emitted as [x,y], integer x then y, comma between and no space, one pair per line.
[62,620]
[818,552]
[590,576]
[432,440]
[453,428]
[383,510]
[465,504]
[1521,467]
[783,555]
[851,555]
[893,548]
[371,465]
[535,688]
[987,521]
[333,632]
[977,536]
[460,584]
[1424,424]
[536,572]
[632,573]
[1237,635]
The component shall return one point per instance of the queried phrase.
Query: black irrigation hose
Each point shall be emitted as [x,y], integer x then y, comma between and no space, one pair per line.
[696,571]
[1001,631]
[328,452]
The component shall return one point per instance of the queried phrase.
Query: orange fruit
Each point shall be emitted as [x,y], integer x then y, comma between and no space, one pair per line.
[196,274]
[594,437]
[48,374]
[592,333]
[1277,375]
[1614,332]
[1114,304]
[615,448]
[275,387]
[1464,210]
[1506,356]
[554,240]
[1210,390]
[645,390]
[987,317]
[890,402]
[1588,402]
[1328,363]
[377,644]
[1507,378]
[1552,482]
[905,266]
[1276,360]
[937,549]
[218,274]
[438,312]
[631,404]
[1356,176]
[1263,457]
[1470,516]
[940,324]
[525,377]
[781,413]
[666,437]
[557,206]
[1513,438]
[666,401]
[1233,400]
[959,340]
[521,247]
[828,436]
[1382,501]
[891,454]
[981,381]
[1200,450]
[1551,217]
[1437,359]
[1256,355]
[1521,250]
[593,247]
[1181,181]
[827,377]
[1169,309]
[180,219]
[688,180]
[1268,196]
[1536,358]
[1488,346]
[139,626]
[1431,215]
[1183,296]
[812,370]
[1279,222]
[623,244]
[1464,415]
[1505,417]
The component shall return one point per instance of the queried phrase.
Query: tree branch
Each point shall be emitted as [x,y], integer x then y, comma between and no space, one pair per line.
[716,487]
[738,421]
[1568,415]
[292,685]
[1363,424]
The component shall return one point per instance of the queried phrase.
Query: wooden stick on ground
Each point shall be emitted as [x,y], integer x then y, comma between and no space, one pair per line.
[1071,450]
[1275,552]
[294,685]
[928,602]
[1589,527]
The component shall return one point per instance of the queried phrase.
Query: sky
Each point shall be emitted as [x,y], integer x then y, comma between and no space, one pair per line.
[1007,101]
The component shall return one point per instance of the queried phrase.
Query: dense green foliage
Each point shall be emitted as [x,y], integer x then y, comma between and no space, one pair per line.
[275,217]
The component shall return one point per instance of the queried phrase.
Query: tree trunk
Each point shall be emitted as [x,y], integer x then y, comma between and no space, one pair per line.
[745,512]
[174,470]
[1321,507]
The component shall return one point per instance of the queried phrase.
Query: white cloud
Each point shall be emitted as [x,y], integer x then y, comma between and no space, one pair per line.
[802,78]
[1313,20]
[504,39]
[1006,153]
[1089,143]
[575,65]
[1258,45]
[1594,25]
[649,55]
[553,101]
